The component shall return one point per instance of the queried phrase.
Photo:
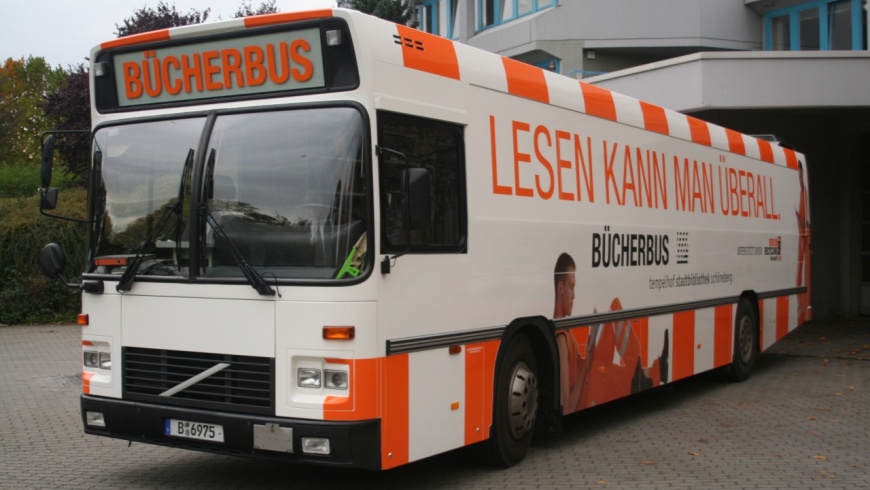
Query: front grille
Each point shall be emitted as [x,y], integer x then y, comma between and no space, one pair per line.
[247,385]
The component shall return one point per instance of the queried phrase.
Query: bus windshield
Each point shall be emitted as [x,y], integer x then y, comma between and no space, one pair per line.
[283,192]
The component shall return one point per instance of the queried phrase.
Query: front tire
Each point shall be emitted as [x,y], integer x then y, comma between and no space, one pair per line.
[745,342]
[515,406]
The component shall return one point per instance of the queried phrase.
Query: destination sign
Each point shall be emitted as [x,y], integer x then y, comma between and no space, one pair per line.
[275,62]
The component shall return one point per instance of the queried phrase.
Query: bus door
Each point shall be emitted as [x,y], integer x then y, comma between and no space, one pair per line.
[423,294]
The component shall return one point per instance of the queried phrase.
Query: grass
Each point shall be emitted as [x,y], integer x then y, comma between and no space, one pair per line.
[23,180]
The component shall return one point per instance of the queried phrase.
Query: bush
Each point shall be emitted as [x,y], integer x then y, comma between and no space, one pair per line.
[23,180]
[26,295]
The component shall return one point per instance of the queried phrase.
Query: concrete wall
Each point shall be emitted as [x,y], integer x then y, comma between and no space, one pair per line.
[625,33]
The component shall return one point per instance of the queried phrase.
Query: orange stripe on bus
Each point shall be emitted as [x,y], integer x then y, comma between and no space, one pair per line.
[362,400]
[735,142]
[284,17]
[684,345]
[525,80]
[654,118]
[474,372]
[86,382]
[599,102]
[395,422]
[429,53]
[791,159]
[766,151]
[699,130]
[781,317]
[723,335]
[145,37]
[479,375]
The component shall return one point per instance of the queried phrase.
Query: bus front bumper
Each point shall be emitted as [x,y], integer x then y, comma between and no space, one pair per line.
[350,444]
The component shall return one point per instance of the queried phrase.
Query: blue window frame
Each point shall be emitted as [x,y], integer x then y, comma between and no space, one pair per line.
[817,25]
[490,13]
[439,17]
[552,64]
[427,16]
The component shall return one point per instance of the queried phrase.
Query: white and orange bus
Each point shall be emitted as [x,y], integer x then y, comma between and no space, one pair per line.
[326,238]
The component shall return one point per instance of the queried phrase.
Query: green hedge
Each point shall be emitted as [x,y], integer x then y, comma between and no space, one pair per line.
[26,295]
[22,180]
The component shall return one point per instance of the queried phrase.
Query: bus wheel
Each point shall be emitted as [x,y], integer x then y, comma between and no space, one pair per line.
[745,342]
[515,406]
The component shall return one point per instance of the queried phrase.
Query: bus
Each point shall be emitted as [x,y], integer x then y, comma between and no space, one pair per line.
[324,238]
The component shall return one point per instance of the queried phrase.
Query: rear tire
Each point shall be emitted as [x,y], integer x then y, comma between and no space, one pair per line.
[515,405]
[745,342]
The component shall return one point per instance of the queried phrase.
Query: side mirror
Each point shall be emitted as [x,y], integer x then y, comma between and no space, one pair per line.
[47,194]
[47,160]
[419,197]
[47,198]
[52,261]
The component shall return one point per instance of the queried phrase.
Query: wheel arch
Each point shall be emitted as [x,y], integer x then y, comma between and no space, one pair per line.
[752,297]
[540,332]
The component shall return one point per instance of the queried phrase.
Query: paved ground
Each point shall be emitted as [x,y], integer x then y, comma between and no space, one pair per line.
[801,421]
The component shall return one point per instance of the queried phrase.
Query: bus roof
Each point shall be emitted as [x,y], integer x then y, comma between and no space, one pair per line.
[439,56]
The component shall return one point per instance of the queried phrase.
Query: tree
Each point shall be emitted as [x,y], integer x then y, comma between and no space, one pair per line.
[267,7]
[22,87]
[69,107]
[165,16]
[69,104]
[398,11]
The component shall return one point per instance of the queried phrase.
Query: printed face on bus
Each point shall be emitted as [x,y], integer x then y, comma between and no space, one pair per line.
[565,292]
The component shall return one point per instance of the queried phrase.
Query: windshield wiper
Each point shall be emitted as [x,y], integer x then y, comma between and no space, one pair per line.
[133,267]
[255,280]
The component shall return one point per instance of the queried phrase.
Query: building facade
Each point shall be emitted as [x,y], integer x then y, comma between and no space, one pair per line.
[798,69]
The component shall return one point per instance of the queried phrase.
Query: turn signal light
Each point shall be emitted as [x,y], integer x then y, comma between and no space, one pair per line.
[83,320]
[339,333]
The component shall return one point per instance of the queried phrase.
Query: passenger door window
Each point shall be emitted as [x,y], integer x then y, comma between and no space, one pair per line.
[438,148]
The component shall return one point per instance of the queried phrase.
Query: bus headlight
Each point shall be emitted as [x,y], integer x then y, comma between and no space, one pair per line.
[335,380]
[105,360]
[91,358]
[97,359]
[95,419]
[315,445]
[308,378]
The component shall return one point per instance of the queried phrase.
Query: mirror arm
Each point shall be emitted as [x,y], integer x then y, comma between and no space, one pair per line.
[75,220]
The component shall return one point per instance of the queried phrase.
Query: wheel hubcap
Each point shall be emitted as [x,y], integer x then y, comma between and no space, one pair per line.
[523,403]
[744,341]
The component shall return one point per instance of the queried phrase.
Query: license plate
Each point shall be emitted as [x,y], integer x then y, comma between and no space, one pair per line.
[194,430]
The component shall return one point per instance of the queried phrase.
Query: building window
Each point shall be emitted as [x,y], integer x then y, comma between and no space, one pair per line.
[490,13]
[551,64]
[809,30]
[453,15]
[439,17]
[427,17]
[817,25]
[840,25]
[779,33]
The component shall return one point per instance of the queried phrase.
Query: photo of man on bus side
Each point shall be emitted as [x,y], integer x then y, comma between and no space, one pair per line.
[609,364]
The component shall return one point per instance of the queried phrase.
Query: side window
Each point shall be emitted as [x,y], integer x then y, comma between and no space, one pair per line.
[438,148]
